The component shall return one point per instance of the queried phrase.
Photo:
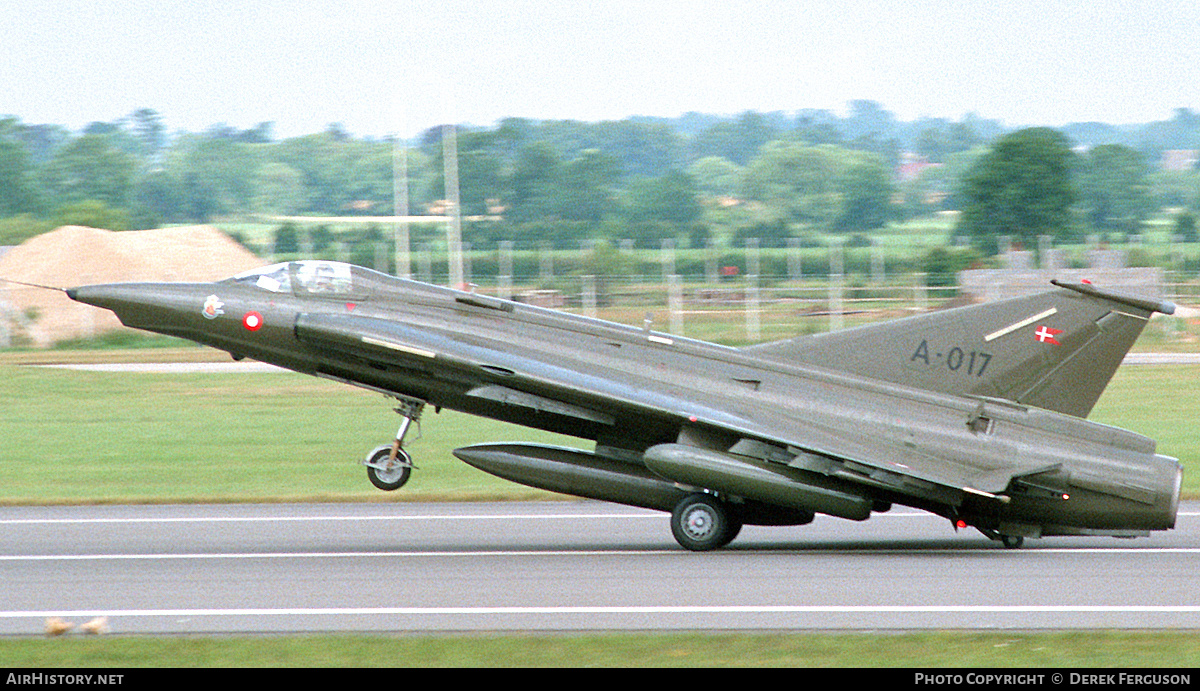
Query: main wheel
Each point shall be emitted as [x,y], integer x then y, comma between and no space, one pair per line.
[701,522]
[394,478]
[1012,541]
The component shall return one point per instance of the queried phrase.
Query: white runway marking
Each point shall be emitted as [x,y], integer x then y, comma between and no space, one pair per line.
[428,517]
[281,519]
[618,609]
[811,551]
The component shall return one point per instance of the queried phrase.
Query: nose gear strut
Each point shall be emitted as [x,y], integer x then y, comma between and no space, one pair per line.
[388,467]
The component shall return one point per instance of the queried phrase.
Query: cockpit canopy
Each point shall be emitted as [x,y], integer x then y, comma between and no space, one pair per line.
[309,277]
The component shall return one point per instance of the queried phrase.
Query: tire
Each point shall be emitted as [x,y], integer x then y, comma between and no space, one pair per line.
[701,522]
[1012,541]
[389,480]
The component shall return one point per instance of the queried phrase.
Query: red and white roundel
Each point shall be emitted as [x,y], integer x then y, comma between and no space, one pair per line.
[253,321]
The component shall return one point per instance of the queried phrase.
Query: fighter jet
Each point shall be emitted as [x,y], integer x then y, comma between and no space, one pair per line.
[976,414]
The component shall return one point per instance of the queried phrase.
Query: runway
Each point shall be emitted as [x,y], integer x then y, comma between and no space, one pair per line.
[565,566]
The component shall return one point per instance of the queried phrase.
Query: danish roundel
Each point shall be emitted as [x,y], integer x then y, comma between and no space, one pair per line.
[253,321]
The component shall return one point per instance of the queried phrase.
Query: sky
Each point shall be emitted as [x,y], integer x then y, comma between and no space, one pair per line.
[380,67]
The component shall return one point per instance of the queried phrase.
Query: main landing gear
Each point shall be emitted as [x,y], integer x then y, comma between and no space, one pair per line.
[701,522]
[1009,541]
[388,467]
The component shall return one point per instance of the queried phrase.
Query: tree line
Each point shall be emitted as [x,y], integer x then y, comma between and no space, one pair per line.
[694,179]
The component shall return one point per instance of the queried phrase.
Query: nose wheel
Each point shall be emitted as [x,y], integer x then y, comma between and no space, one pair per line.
[388,472]
[389,467]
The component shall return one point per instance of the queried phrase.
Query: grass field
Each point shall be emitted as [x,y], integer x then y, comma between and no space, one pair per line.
[1115,649]
[73,437]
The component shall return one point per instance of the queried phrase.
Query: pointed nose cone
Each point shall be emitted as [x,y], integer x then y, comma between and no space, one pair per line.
[160,307]
[108,296]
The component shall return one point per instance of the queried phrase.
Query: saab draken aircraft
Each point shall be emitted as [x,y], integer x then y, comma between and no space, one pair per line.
[976,414]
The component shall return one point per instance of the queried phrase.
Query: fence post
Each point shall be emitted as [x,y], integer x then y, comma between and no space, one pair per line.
[589,296]
[505,280]
[836,267]
[753,317]
[675,304]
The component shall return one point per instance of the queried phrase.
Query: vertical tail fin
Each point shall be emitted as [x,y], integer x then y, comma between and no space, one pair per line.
[1055,350]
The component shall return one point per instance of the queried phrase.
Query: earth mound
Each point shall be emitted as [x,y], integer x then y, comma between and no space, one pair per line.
[74,255]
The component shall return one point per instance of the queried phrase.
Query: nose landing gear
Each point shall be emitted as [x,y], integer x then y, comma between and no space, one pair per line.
[388,467]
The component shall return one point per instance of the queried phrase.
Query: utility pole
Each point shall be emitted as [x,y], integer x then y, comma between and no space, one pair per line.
[400,206]
[454,226]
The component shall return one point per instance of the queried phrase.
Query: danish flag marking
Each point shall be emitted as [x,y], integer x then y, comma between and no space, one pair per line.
[1045,334]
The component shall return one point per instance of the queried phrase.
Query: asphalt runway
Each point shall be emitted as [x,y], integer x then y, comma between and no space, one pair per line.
[565,566]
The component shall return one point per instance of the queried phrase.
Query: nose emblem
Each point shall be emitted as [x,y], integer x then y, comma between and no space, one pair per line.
[212,307]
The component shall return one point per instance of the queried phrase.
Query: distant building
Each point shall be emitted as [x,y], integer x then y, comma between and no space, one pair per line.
[1179,160]
[912,165]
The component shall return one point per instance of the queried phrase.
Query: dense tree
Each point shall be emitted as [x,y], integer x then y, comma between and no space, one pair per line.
[324,163]
[370,183]
[766,175]
[717,176]
[17,191]
[1113,188]
[869,119]
[92,213]
[149,131]
[817,127]
[279,189]
[940,139]
[157,199]
[664,207]
[40,142]
[217,176]
[1185,227]
[798,182]
[672,198]
[1180,132]
[639,147]
[586,187]
[89,167]
[737,140]
[1175,188]
[866,195]
[1022,189]
[480,178]
[532,188]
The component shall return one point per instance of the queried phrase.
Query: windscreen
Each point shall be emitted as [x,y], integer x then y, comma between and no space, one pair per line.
[310,277]
[322,278]
[275,278]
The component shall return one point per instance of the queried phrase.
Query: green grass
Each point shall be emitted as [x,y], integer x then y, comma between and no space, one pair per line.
[88,437]
[1161,402]
[939,649]
[92,437]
